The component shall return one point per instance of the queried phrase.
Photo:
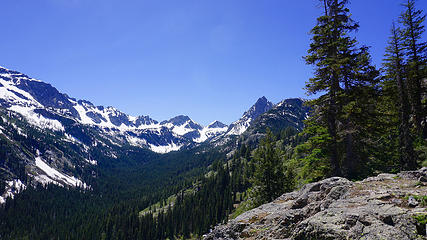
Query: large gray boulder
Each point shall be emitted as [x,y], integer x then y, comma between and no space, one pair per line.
[382,207]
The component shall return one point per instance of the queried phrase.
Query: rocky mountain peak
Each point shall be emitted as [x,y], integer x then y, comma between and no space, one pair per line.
[178,120]
[261,106]
[145,120]
[288,113]
[216,124]
[8,74]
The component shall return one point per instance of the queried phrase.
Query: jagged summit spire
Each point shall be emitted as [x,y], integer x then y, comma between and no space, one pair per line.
[261,106]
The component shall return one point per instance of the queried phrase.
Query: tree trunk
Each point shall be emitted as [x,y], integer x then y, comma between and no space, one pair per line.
[407,156]
[332,127]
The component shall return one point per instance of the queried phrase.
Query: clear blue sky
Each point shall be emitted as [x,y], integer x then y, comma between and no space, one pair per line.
[208,59]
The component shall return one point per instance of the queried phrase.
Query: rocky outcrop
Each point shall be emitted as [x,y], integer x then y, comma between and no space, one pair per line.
[389,206]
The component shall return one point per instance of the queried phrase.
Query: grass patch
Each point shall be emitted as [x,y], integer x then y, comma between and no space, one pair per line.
[257,230]
[421,223]
[243,207]
[163,205]
[421,199]
[421,218]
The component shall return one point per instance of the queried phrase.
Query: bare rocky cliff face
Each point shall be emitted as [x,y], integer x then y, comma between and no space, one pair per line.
[389,206]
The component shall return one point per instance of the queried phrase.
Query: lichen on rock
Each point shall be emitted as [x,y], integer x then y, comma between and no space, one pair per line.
[387,206]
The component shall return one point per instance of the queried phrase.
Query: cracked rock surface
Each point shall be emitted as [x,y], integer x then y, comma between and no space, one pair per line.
[381,207]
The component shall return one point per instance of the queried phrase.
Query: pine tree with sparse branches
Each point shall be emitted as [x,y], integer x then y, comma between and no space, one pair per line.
[415,51]
[395,74]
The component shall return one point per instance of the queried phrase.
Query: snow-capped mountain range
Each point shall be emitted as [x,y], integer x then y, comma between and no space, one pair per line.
[49,137]
[41,103]
[44,106]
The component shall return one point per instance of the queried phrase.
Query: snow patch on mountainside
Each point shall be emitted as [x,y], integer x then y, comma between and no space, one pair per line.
[240,127]
[136,141]
[13,94]
[212,130]
[180,130]
[82,113]
[93,162]
[37,119]
[165,148]
[56,177]
[13,187]
[71,138]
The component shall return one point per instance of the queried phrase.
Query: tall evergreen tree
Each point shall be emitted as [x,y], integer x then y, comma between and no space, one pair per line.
[415,50]
[269,175]
[323,53]
[343,72]
[395,73]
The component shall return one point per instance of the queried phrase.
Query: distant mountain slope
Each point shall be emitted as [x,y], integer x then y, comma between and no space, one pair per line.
[288,113]
[30,155]
[262,115]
